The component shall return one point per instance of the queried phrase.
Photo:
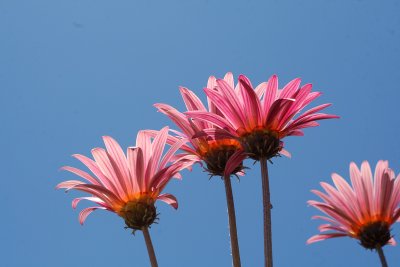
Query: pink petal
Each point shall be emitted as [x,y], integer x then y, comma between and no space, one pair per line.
[85,212]
[234,161]
[226,108]
[228,78]
[260,89]
[158,146]
[252,105]
[132,164]
[93,199]
[68,184]
[115,152]
[105,165]
[191,100]
[92,166]
[290,88]
[169,199]
[285,153]
[82,174]
[322,237]
[212,118]
[270,94]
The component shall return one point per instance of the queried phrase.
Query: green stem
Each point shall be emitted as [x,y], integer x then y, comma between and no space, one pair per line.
[267,214]
[232,222]
[149,245]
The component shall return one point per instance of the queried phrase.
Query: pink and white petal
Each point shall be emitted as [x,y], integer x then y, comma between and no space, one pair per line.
[212,118]
[140,169]
[295,133]
[144,142]
[368,185]
[339,201]
[347,192]
[252,103]
[274,113]
[82,174]
[232,98]
[226,108]
[314,110]
[172,139]
[169,199]
[260,89]
[338,215]
[170,153]
[329,227]
[395,200]
[392,242]
[297,105]
[85,213]
[228,78]
[94,168]
[386,194]
[191,100]
[356,180]
[311,97]
[215,133]
[106,195]
[158,146]
[132,164]
[93,199]
[177,117]
[103,162]
[322,237]
[67,185]
[118,156]
[270,94]
[290,89]
[285,153]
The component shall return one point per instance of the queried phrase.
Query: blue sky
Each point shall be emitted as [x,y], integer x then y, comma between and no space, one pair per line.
[72,71]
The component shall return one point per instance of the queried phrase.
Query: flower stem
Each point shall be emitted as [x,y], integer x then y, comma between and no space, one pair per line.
[381,256]
[232,222]
[149,245]
[267,213]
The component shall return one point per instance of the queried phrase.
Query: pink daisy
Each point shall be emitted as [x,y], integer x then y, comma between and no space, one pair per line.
[364,210]
[223,156]
[130,184]
[259,118]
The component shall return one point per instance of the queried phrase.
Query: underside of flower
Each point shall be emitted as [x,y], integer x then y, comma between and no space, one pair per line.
[373,235]
[139,213]
[261,143]
[216,153]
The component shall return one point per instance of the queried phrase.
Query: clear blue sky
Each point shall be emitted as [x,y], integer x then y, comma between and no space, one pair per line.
[72,71]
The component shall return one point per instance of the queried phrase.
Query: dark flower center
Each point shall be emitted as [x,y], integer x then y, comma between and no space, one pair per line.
[139,213]
[216,154]
[261,143]
[374,234]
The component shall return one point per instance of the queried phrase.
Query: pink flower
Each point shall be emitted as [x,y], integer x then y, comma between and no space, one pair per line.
[128,184]
[364,210]
[223,156]
[259,118]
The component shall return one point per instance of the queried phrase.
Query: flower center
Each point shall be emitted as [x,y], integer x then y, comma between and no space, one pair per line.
[216,153]
[139,213]
[374,234]
[261,143]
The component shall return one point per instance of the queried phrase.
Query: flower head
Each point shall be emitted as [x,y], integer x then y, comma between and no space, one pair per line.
[223,156]
[259,118]
[364,210]
[130,184]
